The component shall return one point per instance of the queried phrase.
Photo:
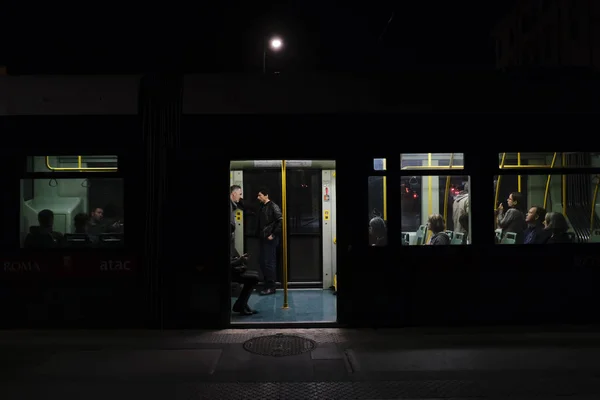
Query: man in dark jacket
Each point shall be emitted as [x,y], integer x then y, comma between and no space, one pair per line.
[535,234]
[269,230]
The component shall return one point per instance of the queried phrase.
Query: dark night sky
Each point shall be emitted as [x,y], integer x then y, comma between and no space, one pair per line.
[318,37]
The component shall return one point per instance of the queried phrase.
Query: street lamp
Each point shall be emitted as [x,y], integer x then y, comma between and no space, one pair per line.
[275,44]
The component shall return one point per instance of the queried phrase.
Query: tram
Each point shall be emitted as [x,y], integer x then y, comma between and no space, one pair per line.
[168,266]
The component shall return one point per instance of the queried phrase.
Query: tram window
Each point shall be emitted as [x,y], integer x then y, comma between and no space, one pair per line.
[379,164]
[88,163]
[548,160]
[435,198]
[571,200]
[377,212]
[432,161]
[60,212]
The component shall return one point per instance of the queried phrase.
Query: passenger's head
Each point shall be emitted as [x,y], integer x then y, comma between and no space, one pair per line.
[435,223]
[515,200]
[377,227]
[463,187]
[97,214]
[46,218]
[535,215]
[235,192]
[556,222]
[263,195]
[80,221]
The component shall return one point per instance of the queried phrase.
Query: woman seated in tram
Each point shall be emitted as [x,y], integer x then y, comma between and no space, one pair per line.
[437,226]
[556,225]
[512,219]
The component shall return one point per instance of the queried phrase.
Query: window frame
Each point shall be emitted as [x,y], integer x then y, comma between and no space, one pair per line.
[26,174]
[540,171]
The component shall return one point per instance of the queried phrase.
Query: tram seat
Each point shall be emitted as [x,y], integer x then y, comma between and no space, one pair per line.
[509,238]
[459,238]
[421,235]
[595,236]
[499,235]
[405,238]
[110,239]
[77,240]
[450,234]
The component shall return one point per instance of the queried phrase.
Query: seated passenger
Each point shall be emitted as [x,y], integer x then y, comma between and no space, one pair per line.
[535,233]
[43,236]
[81,222]
[79,238]
[95,224]
[557,227]
[513,219]
[241,275]
[436,225]
[378,232]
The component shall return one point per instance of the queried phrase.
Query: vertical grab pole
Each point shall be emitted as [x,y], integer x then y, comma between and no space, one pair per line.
[498,182]
[519,177]
[429,198]
[284,232]
[446,192]
[548,183]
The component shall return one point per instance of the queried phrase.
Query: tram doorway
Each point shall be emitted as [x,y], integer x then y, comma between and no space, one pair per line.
[305,192]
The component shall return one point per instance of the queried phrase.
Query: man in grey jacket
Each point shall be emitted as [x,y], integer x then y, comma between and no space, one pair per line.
[460,209]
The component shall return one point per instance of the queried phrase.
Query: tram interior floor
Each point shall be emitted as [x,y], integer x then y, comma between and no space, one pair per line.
[305,305]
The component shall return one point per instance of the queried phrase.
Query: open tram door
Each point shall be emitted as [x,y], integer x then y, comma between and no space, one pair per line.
[306,256]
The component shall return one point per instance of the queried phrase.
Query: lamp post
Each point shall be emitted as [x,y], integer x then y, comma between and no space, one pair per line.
[275,44]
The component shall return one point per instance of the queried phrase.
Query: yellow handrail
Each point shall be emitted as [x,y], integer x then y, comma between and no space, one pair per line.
[498,182]
[447,189]
[548,181]
[284,232]
[429,196]
[519,177]
[593,217]
[564,186]
[79,167]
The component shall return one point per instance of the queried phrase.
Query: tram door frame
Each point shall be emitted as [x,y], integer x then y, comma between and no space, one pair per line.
[327,212]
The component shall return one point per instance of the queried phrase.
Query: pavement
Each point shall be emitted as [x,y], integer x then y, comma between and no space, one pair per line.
[432,363]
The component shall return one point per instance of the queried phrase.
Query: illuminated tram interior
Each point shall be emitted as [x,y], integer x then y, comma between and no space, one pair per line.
[305,191]
[67,212]
[435,210]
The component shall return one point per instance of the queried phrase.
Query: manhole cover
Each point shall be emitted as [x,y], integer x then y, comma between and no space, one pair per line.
[279,345]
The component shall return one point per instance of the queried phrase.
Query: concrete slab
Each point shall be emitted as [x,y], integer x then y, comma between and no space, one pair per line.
[328,351]
[128,364]
[364,359]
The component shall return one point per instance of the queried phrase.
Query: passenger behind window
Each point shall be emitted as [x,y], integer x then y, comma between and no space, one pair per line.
[80,238]
[513,219]
[43,236]
[557,227]
[535,233]
[95,224]
[378,232]
[81,221]
[460,209]
[437,226]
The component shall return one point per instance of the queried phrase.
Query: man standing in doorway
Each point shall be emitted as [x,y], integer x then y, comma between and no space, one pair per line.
[235,196]
[269,230]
